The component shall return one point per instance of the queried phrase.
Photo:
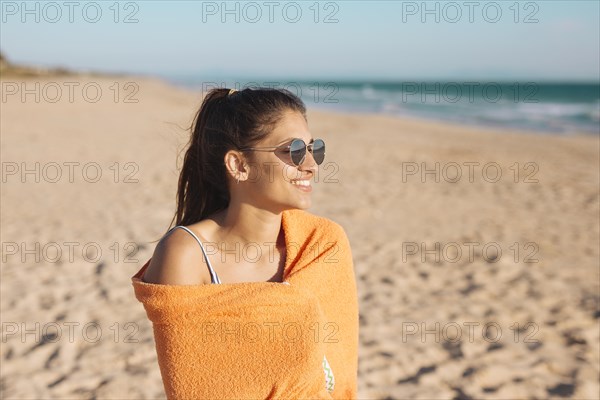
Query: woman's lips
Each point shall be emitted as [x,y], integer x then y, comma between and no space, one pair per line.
[303,185]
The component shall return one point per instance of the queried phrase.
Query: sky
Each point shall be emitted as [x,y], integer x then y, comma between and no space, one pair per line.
[362,40]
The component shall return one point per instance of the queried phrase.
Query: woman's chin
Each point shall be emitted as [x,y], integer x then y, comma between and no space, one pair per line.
[304,204]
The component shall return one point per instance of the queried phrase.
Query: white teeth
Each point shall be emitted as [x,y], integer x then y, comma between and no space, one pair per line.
[301,183]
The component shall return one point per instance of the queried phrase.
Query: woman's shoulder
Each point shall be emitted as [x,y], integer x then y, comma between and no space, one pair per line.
[177,260]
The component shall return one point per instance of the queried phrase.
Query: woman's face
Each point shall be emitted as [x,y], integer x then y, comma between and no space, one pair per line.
[272,176]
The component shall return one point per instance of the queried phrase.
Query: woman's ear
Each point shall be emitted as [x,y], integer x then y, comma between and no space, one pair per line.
[236,165]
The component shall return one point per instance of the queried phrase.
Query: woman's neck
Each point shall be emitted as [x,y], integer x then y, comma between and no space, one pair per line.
[246,224]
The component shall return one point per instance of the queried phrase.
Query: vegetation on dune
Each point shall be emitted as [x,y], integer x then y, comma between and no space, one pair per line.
[8,69]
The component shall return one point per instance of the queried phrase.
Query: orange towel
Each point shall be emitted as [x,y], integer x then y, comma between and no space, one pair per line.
[264,340]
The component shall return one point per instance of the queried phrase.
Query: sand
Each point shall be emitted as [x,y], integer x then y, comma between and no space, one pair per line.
[479,324]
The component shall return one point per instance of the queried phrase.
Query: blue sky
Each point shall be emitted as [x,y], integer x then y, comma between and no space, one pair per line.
[362,39]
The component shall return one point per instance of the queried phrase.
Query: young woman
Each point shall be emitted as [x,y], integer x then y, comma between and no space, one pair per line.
[251,296]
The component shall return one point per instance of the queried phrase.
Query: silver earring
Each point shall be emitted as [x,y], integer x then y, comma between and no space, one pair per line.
[238,179]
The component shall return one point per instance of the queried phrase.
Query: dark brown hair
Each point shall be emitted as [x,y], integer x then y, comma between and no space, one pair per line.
[225,122]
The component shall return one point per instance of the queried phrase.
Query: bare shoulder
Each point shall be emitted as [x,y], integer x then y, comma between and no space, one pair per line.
[177,260]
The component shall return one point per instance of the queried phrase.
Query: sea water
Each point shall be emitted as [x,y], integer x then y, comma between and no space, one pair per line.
[545,107]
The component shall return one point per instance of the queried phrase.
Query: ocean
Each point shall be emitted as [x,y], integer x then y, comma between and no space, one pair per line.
[548,107]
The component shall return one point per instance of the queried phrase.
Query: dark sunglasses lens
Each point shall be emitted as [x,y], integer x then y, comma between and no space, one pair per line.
[318,151]
[297,151]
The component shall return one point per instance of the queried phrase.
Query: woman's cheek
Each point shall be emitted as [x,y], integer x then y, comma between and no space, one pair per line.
[290,173]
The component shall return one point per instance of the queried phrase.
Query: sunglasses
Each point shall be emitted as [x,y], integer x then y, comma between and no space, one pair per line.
[297,150]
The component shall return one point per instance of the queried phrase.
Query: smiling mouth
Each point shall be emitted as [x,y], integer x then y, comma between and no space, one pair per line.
[303,183]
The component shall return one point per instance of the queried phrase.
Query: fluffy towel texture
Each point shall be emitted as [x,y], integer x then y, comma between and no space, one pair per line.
[264,340]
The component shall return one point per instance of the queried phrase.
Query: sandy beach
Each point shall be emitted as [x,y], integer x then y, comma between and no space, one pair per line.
[476,251]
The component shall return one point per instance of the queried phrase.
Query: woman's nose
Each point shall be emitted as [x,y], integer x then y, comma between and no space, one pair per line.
[309,163]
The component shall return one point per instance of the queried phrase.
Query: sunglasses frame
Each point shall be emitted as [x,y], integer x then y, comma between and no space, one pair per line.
[307,147]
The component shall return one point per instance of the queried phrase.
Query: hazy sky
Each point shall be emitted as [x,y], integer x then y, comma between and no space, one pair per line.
[308,39]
